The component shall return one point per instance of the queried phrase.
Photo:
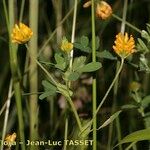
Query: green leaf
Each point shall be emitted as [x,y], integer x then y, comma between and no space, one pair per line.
[84,41]
[73,76]
[47,63]
[97,40]
[86,132]
[139,135]
[111,119]
[80,47]
[58,58]
[145,35]
[106,54]
[64,90]
[78,62]
[90,67]
[61,64]
[46,94]
[144,64]
[143,47]
[145,101]
[47,85]
[129,106]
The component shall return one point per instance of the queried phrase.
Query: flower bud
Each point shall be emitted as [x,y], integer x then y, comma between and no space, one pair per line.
[66,46]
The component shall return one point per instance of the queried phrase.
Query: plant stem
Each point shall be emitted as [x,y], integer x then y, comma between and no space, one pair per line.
[70,67]
[33,72]
[6,113]
[117,81]
[123,25]
[15,74]
[118,131]
[66,133]
[106,94]
[55,31]
[41,66]
[127,23]
[73,30]
[94,78]
[21,10]
[75,112]
[57,4]
[122,30]
[110,87]
[6,15]
[131,145]
[113,108]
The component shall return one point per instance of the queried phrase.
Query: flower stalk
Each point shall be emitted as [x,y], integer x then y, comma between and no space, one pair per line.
[94,78]
[15,75]
[33,72]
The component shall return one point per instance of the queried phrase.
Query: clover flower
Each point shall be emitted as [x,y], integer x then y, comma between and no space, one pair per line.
[103,10]
[134,86]
[10,138]
[21,34]
[124,45]
[66,46]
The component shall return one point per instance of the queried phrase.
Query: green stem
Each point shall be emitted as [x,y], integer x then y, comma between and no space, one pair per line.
[123,25]
[73,30]
[7,113]
[41,66]
[113,108]
[122,30]
[118,132]
[66,133]
[21,10]
[15,75]
[106,94]
[6,16]
[110,87]
[130,146]
[94,79]
[127,23]
[33,72]
[57,4]
[68,98]
[70,67]
[75,112]
[55,31]
[20,113]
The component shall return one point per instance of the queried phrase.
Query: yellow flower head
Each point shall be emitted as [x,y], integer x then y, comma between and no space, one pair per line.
[10,138]
[66,46]
[21,34]
[134,86]
[124,45]
[103,10]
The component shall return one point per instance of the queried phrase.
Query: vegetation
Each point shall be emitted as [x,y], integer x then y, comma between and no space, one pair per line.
[74,75]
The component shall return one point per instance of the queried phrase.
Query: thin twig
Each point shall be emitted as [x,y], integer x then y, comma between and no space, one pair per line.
[3,108]
[55,31]
[73,30]
[7,113]
[94,83]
